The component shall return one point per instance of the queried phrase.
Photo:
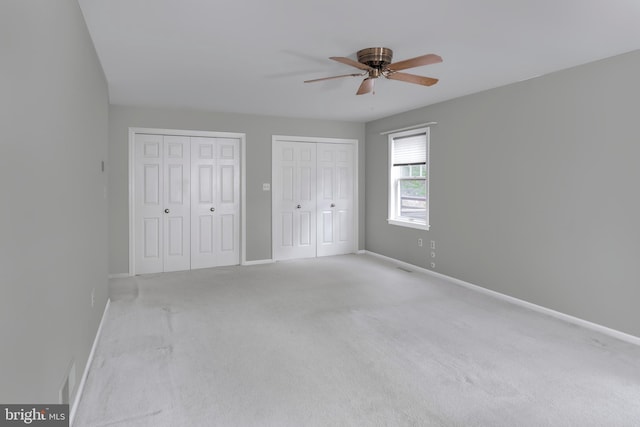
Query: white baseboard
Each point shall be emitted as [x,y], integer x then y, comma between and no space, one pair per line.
[544,310]
[259,262]
[76,399]
[361,252]
[119,276]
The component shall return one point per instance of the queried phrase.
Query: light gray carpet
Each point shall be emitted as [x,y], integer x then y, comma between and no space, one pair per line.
[345,341]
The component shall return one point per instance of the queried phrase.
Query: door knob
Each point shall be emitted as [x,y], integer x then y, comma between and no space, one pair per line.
[212,209]
[333,205]
[166,211]
[298,207]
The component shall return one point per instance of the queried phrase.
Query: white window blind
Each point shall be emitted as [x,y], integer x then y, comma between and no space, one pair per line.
[410,150]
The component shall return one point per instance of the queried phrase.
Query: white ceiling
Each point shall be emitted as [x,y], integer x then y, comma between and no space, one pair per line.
[251,56]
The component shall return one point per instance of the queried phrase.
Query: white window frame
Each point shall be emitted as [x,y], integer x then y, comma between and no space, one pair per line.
[393,217]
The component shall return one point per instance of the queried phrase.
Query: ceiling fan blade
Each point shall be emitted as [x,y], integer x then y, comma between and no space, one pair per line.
[415,62]
[351,62]
[366,86]
[334,77]
[412,78]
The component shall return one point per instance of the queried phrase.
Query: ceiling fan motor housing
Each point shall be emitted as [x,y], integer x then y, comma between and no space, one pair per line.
[375,57]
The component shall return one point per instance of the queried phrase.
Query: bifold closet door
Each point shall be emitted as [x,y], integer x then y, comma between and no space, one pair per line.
[162,203]
[335,199]
[294,199]
[215,206]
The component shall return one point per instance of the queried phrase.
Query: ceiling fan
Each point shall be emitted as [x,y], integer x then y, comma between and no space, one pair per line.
[376,62]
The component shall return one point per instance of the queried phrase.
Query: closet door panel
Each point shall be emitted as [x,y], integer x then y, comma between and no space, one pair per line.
[227,218]
[203,202]
[215,164]
[177,203]
[335,199]
[294,199]
[148,207]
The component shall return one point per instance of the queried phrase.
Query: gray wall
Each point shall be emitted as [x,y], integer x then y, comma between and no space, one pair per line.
[258,130]
[53,219]
[534,191]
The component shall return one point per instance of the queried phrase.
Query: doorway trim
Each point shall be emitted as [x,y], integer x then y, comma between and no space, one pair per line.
[356,182]
[211,134]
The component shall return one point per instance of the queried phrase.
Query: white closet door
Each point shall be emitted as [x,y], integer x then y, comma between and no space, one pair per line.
[294,198]
[215,222]
[227,213]
[149,216]
[203,202]
[335,199]
[186,202]
[177,203]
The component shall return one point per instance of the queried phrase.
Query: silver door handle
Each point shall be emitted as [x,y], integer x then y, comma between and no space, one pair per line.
[298,207]
[166,211]
[212,209]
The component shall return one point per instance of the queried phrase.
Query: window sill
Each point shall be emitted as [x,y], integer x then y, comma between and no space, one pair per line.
[408,224]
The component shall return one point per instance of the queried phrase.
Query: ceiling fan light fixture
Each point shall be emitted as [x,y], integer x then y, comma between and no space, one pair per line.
[374,73]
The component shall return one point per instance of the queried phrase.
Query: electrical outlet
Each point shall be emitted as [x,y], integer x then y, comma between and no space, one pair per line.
[266,186]
[433,254]
[420,242]
[433,244]
[433,265]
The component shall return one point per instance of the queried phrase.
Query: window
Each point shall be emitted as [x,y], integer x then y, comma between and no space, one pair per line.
[409,178]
